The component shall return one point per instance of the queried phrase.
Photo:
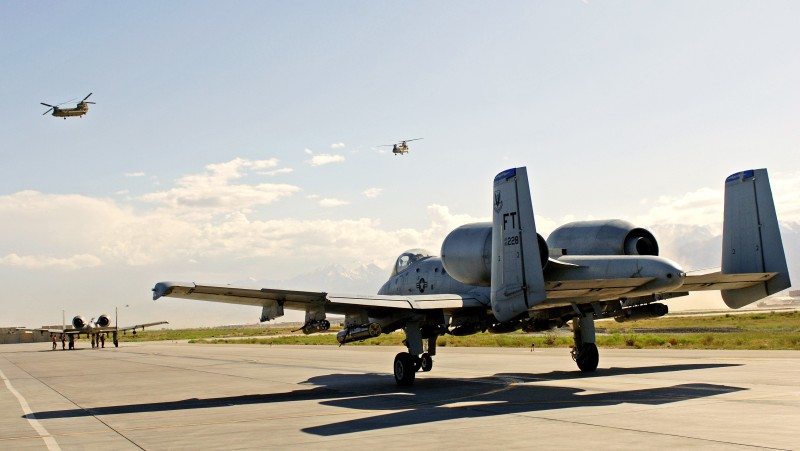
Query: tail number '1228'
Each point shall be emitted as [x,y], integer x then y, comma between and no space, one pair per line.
[512,240]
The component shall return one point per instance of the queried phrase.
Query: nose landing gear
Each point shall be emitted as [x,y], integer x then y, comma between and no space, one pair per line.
[406,364]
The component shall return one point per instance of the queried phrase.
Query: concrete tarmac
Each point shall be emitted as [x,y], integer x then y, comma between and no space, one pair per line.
[164,395]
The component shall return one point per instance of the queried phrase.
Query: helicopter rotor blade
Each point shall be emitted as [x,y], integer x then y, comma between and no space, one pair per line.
[415,139]
[68,101]
[51,109]
[84,99]
[46,104]
[90,102]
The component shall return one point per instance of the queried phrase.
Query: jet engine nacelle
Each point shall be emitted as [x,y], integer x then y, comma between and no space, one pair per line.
[103,321]
[79,322]
[605,237]
[467,253]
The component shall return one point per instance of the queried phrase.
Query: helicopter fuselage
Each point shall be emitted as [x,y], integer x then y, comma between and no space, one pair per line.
[80,110]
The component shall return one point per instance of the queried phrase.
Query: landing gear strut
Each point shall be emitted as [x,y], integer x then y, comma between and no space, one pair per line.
[584,353]
[406,364]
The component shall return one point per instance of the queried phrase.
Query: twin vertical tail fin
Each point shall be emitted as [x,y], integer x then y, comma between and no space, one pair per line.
[517,276]
[751,238]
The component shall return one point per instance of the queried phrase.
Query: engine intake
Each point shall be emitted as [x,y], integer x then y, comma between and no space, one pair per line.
[103,321]
[467,253]
[605,237]
[79,322]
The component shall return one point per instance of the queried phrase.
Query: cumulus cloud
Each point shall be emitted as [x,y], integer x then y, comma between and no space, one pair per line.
[324,158]
[372,192]
[331,202]
[135,174]
[704,206]
[44,261]
[213,191]
[339,145]
[309,151]
[277,171]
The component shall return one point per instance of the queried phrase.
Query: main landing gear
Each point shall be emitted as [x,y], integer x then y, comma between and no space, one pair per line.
[584,353]
[406,364]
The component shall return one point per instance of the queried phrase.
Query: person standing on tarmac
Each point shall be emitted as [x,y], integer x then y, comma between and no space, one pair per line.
[63,341]
[102,340]
[53,339]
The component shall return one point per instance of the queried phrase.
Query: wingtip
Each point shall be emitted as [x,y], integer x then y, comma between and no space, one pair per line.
[161,289]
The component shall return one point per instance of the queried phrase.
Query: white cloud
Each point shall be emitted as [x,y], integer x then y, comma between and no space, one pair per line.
[212,192]
[339,145]
[121,192]
[135,174]
[704,206]
[45,262]
[372,192]
[332,202]
[277,171]
[324,158]
[309,151]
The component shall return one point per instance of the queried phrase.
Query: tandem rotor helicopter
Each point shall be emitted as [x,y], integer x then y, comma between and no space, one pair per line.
[81,109]
[401,147]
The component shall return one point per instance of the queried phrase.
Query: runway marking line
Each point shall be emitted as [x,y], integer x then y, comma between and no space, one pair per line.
[49,441]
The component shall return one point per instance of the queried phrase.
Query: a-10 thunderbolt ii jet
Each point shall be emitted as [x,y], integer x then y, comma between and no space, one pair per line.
[95,328]
[503,276]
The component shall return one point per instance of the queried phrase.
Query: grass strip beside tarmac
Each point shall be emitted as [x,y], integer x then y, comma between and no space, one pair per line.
[768,330]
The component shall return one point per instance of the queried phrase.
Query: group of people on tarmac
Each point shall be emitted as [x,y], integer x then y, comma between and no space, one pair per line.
[63,341]
[98,340]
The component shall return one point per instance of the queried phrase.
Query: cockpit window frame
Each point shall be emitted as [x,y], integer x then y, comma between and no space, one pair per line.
[408,258]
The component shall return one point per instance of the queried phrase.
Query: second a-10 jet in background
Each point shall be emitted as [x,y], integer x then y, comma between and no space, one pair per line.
[503,276]
[96,329]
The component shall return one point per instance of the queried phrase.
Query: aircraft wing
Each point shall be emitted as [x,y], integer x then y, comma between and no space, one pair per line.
[301,300]
[717,280]
[68,330]
[137,326]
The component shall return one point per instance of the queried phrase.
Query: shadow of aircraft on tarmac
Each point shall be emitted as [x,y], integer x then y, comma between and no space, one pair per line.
[438,399]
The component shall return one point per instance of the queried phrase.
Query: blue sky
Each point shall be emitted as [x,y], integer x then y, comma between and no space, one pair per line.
[611,105]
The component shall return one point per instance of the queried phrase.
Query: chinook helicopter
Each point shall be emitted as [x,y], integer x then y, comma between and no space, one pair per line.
[81,109]
[401,147]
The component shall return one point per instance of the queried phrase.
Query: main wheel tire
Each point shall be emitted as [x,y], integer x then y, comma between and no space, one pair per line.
[404,369]
[588,357]
[426,362]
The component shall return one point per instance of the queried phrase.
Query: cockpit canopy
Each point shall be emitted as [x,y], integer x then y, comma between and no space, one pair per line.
[407,258]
